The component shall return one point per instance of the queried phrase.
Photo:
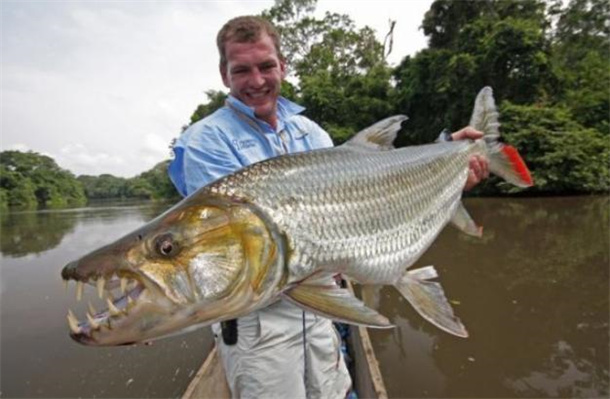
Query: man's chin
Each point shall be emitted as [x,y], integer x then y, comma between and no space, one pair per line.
[264,112]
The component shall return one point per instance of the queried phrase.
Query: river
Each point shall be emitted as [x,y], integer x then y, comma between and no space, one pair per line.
[533,293]
[39,359]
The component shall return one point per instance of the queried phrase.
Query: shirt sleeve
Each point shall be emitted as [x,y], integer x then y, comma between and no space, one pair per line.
[319,137]
[322,138]
[203,156]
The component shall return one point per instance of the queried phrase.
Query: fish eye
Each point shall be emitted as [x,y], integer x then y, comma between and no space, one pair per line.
[165,245]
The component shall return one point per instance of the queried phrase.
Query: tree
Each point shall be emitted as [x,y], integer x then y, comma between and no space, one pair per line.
[158,180]
[152,184]
[34,180]
[473,44]
[104,186]
[216,99]
[339,72]
[564,156]
[581,52]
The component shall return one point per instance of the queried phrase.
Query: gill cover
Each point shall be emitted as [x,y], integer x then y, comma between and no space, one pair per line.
[213,247]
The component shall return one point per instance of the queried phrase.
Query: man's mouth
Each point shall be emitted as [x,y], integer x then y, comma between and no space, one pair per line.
[258,94]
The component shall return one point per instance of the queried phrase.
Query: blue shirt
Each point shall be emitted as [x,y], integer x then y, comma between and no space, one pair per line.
[233,137]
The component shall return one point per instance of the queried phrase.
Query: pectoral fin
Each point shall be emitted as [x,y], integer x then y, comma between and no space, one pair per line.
[335,303]
[428,298]
[462,220]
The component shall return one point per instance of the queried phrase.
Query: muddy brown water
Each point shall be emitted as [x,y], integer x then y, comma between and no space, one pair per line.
[38,358]
[533,293]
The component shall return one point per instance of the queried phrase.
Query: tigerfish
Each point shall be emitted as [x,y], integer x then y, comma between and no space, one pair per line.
[281,227]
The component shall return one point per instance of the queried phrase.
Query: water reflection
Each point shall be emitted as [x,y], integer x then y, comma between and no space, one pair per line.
[34,232]
[38,357]
[533,295]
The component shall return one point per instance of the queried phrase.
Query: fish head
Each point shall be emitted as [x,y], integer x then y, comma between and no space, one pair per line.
[205,260]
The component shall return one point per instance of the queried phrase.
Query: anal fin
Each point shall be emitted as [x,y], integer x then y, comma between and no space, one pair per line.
[462,220]
[335,303]
[428,298]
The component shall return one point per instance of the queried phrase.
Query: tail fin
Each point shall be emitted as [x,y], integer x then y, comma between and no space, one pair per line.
[504,160]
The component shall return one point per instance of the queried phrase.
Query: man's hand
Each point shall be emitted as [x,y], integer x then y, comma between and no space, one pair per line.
[478,165]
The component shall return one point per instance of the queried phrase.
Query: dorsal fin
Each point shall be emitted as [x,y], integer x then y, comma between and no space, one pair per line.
[380,135]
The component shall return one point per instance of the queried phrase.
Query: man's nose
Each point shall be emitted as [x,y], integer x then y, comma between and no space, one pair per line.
[256,78]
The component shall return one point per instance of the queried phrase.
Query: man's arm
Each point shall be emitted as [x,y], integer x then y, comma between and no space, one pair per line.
[202,157]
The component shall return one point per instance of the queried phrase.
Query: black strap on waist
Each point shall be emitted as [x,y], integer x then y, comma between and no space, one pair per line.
[229,331]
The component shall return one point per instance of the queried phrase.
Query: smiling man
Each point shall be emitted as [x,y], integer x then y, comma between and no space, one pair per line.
[254,73]
[264,353]
[280,351]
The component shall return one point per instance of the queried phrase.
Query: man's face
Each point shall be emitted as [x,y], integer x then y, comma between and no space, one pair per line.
[254,74]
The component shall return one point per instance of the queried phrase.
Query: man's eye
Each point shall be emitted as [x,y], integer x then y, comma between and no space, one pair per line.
[267,67]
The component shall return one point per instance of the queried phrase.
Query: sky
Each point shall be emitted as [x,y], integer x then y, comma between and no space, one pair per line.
[104,86]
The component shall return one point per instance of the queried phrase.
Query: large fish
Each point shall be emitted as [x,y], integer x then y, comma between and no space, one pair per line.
[280,228]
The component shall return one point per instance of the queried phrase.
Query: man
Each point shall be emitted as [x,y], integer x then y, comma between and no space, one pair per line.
[281,351]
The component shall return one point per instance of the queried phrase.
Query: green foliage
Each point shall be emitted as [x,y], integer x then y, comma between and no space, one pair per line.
[447,20]
[152,184]
[4,196]
[565,156]
[547,63]
[157,182]
[341,75]
[580,56]
[345,109]
[473,44]
[216,99]
[104,186]
[31,180]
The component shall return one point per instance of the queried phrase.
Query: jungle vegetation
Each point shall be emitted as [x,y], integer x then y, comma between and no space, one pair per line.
[548,63]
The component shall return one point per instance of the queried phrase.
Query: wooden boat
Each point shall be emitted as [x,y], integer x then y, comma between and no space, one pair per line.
[210,381]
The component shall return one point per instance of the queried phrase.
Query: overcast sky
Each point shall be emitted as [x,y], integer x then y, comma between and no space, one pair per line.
[103,87]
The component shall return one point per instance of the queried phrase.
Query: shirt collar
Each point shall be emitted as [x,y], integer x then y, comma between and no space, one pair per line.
[285,108]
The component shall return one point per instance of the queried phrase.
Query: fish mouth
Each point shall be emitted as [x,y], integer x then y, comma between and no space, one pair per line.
[120,293]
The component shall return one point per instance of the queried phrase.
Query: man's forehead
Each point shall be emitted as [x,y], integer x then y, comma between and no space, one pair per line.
[256,51]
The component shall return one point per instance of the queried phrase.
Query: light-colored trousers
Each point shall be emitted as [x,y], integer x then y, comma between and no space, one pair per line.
[268,360]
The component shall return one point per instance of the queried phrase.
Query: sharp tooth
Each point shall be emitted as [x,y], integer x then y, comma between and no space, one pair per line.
[92,309]
[100,286]
[113,309]
[79,291]
[94,324]
[73,323]
[123,284]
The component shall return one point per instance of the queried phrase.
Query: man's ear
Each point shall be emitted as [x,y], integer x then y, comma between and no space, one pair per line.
[224,75]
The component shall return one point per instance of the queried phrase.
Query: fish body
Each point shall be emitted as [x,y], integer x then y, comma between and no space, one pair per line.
[367,213]
[282,227]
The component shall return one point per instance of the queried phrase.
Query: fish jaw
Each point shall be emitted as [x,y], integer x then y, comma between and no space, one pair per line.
[207,259]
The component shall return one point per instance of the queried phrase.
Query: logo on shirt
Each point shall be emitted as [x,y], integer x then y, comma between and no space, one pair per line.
[241,145]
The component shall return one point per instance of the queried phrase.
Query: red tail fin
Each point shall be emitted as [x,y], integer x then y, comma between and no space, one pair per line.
[506,162]
[518,164]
